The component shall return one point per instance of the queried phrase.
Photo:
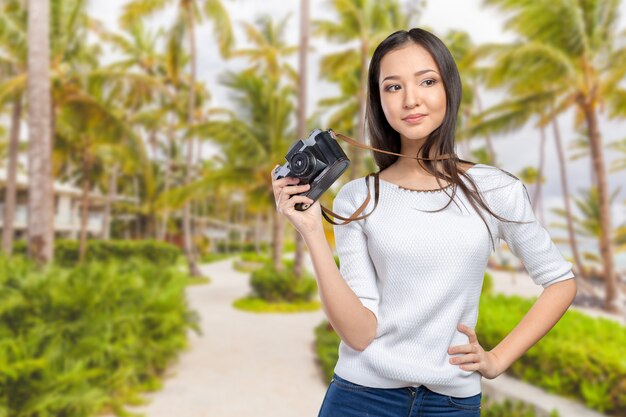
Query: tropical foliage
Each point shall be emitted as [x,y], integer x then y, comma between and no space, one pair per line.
[75,341]
[136,127]
[125,115]
[589,368]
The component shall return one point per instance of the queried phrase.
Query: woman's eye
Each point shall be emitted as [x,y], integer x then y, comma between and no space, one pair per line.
[429,82]
[392,87]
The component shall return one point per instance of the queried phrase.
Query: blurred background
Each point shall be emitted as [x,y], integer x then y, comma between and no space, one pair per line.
[137,139]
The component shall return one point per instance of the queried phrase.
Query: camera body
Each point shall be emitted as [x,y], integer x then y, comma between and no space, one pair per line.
[317,160]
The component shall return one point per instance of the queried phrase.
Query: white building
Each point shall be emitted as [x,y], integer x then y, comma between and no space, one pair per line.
[67,209]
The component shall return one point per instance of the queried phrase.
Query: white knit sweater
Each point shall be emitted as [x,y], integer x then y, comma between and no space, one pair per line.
[422,273]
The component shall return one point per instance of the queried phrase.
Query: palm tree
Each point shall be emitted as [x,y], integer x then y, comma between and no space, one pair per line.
[588,226]
[267,59]
[71,63]
[13,65]
[146,110]
[302,98]
[532,175]
[187,20]
[40,209]
[367,22]
[88,129]
[252,140]
[467,56]
[525,103]
[11,186]
[569,44]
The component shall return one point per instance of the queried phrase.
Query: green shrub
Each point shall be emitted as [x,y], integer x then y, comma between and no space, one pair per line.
[258,305]
[255,257]
[581,357]
[230,247]
[487,284]
[275,286]
[508,408]
[327,345]
[289,247]
[214,257]
[73,342]
[327,349]
[66,251]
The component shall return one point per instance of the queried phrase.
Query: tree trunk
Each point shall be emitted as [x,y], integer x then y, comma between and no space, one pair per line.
[166,186]
[466,151]
[10,191]
[357,161]
[243,230]
[537,194]
[257,232]
[488,141]
[84,207]
[111,196]
[302,98]
[40,194]
[152,139]
[277,240]
[580,269]
[138,216]
[187,230]
[606,251]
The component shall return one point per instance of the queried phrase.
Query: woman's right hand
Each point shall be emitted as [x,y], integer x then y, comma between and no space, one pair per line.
[304,221]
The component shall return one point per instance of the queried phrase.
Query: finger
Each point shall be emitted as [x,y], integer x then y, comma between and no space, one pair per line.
[470,367]
[283,182]
[286,193]
[288,205]
[462,349]
[295,189]
[277,185]
[469,332]
[273,171]
[458,360]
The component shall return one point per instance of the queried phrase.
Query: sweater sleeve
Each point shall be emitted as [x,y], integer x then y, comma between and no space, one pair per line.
[530,242]
[355,264]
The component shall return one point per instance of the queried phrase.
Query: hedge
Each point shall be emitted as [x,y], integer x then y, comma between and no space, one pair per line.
[76,342]
[326,346]
[66,251]
[277,286]
[223,247]
[581,357]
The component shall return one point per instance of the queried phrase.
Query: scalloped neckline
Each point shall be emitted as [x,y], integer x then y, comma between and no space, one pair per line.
[400,187]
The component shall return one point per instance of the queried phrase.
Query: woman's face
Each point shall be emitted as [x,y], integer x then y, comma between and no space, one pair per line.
[412,94]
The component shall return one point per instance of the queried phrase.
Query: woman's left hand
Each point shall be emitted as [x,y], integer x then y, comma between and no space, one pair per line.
[475,358]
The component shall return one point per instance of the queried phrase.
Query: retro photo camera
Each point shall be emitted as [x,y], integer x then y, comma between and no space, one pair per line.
[317,160]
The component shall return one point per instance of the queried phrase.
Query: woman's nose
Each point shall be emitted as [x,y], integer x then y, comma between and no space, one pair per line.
[411,98]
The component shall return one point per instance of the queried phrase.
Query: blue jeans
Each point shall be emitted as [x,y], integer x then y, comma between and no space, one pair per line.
[346,399]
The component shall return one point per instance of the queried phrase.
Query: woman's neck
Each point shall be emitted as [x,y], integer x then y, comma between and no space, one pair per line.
[407,166]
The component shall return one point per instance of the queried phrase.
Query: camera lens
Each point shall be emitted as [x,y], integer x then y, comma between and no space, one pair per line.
[302,164]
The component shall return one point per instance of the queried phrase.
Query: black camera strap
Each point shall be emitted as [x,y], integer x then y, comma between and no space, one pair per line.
[355,216]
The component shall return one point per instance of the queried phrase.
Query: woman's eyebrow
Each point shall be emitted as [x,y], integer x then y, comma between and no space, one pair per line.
[417,74]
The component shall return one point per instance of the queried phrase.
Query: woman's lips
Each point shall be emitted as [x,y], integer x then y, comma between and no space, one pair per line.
[414,118]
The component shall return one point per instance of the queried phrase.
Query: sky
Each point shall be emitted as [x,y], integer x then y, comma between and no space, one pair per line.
[515,151]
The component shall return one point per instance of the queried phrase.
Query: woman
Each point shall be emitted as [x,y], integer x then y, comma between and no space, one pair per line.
[405,302]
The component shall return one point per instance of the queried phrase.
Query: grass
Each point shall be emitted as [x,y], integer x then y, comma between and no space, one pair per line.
[258,305]
[198,281]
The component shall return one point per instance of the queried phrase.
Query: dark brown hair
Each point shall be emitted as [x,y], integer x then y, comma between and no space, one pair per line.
[441,140]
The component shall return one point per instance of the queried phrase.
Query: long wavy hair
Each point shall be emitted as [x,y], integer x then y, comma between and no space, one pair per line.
[441,140]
